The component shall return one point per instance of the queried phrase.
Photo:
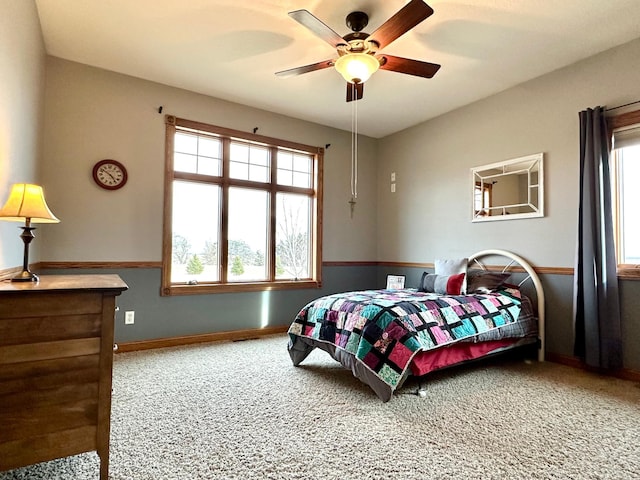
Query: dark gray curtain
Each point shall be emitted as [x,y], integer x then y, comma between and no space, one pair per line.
[596,302]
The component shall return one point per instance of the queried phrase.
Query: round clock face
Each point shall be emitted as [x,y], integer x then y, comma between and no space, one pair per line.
[110,174]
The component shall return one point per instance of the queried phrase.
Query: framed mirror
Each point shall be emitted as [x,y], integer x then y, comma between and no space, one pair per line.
[508,190]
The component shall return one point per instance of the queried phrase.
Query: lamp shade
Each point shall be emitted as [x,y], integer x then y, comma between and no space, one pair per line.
[27,201]
[357,67]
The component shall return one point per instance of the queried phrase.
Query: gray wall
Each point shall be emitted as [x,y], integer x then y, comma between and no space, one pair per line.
[165,317]
[429,215]
[92,114]
[88,114]
[22,80]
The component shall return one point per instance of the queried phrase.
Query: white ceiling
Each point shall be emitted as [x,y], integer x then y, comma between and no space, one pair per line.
[231,49]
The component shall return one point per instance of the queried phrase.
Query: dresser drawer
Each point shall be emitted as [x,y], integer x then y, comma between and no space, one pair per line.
[47,328]
[50,304]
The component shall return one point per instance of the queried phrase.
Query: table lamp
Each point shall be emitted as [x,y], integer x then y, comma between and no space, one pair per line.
[26,203]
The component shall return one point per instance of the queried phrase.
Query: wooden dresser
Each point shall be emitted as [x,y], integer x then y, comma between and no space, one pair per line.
[56,358]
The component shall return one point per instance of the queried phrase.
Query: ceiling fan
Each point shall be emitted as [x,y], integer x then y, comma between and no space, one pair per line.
[358,56]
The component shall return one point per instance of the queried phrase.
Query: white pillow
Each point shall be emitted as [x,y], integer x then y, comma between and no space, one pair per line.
[452,267]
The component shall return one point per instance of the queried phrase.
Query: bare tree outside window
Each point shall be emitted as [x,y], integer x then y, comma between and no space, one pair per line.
[292,248]
[181,249]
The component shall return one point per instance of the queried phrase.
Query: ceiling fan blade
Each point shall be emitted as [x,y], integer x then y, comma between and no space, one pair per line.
[408,66]
[355,91]
[305,69]
[404,20]
[307,19]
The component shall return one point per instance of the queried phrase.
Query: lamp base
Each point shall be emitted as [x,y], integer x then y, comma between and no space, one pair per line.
[27,236]
[26,276]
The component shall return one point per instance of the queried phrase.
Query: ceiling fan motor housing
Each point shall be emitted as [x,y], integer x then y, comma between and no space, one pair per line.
[356,21]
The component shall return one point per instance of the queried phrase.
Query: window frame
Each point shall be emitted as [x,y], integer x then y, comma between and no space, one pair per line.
[614,123]
[225,182]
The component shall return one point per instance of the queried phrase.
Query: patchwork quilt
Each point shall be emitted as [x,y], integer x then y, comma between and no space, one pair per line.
[385,329]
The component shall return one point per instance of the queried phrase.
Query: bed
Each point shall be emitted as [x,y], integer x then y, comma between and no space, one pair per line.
[468,310]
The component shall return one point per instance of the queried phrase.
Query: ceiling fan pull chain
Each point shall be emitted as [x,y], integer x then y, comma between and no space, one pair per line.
[354,145]
[355,157]
[353,138]
[354,150]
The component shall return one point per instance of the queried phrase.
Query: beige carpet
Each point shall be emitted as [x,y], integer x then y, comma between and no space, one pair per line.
[242,411]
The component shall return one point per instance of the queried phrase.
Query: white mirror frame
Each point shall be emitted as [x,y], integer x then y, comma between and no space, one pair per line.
[491,173]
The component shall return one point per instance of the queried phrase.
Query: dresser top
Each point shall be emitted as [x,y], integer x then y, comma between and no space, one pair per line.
[48,283]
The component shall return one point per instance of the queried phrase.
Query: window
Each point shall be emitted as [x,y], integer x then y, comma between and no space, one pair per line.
[482,198]
[242,211]
[625,169]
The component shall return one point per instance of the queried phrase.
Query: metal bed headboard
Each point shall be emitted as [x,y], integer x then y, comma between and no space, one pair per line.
[531,275]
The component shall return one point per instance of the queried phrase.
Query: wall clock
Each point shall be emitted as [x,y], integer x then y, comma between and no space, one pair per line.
[110,174]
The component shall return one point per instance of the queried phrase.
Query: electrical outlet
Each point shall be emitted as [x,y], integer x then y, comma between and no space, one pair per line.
[129,317]
[393,176]
[393,188]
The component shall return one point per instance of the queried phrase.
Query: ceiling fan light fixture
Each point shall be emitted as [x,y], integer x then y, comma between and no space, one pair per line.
[357,67]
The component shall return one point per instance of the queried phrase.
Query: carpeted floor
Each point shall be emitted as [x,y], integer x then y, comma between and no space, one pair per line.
[242,411]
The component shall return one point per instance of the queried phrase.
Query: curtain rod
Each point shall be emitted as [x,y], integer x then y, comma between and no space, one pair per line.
[622,106]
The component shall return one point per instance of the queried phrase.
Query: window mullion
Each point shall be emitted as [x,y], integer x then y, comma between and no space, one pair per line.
[615,190]
[224,214]
[271,236]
